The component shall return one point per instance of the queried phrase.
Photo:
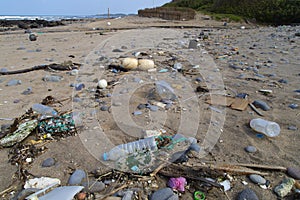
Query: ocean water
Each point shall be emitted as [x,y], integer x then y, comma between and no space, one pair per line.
[58,17]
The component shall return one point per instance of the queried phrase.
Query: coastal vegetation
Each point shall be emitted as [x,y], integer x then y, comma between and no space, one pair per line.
[276,12]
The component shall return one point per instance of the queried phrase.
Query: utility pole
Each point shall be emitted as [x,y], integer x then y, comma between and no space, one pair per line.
[108,14]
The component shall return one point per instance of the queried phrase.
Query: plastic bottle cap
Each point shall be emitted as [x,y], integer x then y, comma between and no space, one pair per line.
[105,156]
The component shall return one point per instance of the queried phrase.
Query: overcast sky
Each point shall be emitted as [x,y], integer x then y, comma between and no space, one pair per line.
[75,7]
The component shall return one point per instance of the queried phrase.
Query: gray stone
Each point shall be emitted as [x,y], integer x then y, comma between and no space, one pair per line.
[283,81]
[32,37]
[285,187]
[13,82]
[135,113]
[193,44]
[128,195]
[117,104]
[293,128]
[141,106]
[77,177]
[257,179]
[293,106]
[104,108]
[52,78]
[250,149]
[294,172]
[117,50]
[153,108]
[94,187]
[247,194]
[261,104]
[49,162]
[163,194]
[77,99]
[27,91]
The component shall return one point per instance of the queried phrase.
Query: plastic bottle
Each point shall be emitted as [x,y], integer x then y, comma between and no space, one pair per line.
[128,148]
[271,129]
[44,110]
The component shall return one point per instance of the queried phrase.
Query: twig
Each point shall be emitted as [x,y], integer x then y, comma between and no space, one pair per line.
[254,108]
[157,169]
[262,166]
[10,188]
[54,66]
[113,191]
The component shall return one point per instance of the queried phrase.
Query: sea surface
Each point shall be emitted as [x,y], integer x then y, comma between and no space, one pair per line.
[58,17]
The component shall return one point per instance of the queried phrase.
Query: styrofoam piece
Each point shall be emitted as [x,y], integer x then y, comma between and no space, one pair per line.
[62,193]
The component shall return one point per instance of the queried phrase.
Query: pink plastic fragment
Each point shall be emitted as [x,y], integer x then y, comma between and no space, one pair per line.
[177,183]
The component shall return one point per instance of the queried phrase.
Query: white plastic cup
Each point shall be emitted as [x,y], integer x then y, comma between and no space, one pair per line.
[270,129]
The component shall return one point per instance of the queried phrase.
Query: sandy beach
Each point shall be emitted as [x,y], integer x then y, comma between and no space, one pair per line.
[229,60]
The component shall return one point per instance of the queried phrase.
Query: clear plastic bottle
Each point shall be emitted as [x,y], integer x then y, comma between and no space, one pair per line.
[44,110]
[128,148]
[271,129]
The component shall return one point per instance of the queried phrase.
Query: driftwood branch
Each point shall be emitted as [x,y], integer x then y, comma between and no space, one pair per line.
[60,67]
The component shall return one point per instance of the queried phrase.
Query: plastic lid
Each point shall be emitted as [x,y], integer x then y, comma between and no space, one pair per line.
[105,156]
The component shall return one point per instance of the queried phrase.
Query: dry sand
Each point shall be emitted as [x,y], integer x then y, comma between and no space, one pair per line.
[82,39]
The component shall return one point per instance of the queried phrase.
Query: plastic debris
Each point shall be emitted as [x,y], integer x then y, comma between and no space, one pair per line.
[177,183]
[20,134]
[41,183]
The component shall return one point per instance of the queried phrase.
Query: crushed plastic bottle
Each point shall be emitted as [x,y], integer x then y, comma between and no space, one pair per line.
[128,148]
[270,129]
[44,110]
[165,91]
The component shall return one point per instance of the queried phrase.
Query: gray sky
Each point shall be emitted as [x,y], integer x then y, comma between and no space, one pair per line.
[74,7]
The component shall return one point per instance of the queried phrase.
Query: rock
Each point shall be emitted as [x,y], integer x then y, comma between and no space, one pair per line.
[117,104]
[145,64]
[27,91]
[293,128]
[257,179]
[97,186]
[52,78]
[283,81]
[77,177]
[117,50]
[32,37]
[198,79]
[104,108]
[250,149]
[164,194]
[129,63]
[193,44]
[79,86]
[13,82]
[177,66]
[102,84]
[285,187]
[77,99]
[141,106]
[293,106]
[261,104]
[294,172]
[128,195]
[49,162]
[153,108]
[247,194]
[135,113]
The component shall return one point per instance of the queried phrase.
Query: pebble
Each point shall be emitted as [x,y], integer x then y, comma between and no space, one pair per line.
[97,186]
[193,44]
[293,106]
[13,82]
[77,99]
[283,81]
[77,177]
[247,194]
[153,108]
[293,128]
[250,149]
[261,104]
[198,79]
[104,108]
[117,104]
[117,50]
[128,195]
[49,162]
[141,106]
[135,113]
[79,86]
[294,172]
[27,91]
[285,187]
[52,78]
[32,37]
[177,66]
[257,179]
[102,84]
[16,101]
[164,194]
